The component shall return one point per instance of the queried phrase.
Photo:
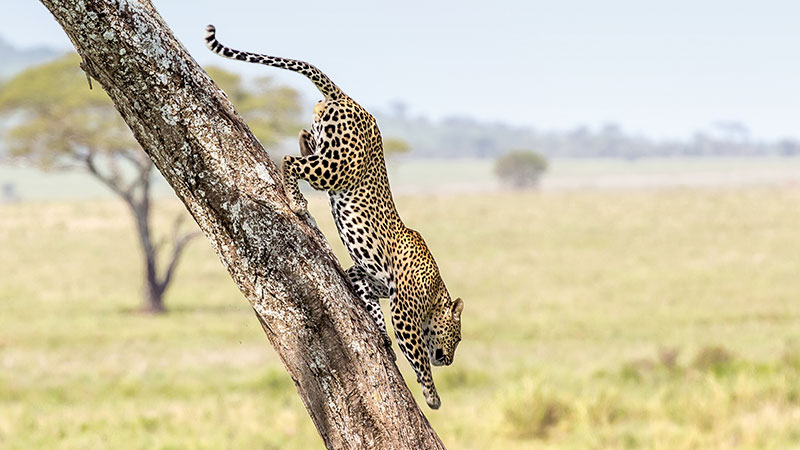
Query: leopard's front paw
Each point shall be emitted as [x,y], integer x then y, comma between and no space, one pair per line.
[432,399]
[299,205]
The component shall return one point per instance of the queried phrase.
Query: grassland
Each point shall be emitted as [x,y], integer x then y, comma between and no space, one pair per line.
[423,176]
[665,319]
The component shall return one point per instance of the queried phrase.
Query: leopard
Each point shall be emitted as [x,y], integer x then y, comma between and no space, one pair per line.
[343,156]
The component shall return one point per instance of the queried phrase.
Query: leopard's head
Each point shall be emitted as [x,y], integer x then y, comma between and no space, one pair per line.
[444,333]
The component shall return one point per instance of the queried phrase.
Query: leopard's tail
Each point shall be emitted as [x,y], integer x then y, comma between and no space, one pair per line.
[323,83]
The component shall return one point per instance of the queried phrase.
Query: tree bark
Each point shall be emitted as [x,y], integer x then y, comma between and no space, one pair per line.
[282,264]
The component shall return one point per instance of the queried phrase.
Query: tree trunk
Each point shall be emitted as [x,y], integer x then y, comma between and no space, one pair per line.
[282,264]
[152,291]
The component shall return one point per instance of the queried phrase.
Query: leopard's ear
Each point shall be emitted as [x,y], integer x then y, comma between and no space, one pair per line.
[458,306]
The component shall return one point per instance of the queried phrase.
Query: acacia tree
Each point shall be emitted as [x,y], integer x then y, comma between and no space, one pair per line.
[63,125]
[520,169]
[393,146]
[327,341]
[272,111]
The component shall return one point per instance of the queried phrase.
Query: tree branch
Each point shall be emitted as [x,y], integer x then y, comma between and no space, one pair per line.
[112,182]
[284,267]
[179,242]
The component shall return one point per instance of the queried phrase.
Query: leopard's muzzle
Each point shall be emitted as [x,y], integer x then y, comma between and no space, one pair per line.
[440,359]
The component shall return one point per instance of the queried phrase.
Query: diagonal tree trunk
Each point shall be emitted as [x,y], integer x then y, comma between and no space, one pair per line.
[327,342]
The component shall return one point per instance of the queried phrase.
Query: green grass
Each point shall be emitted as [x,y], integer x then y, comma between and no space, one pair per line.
[665,319]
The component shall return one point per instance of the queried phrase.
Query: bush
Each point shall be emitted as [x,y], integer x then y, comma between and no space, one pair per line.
[713,358]
[520,169]
[535,412]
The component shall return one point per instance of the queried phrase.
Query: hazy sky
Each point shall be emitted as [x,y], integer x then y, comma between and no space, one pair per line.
[663,70]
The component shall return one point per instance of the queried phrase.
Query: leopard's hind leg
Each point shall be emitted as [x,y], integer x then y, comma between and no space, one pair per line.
[369,290]
[307,144]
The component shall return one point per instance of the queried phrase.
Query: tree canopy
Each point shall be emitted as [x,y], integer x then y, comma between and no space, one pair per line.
[59,121]
[520,169]
[393,146]
[272,111]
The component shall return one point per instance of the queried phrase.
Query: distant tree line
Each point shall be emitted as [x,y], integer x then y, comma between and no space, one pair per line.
[469,138]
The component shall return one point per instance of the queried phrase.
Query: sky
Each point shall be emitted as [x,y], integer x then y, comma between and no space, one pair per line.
[659,69]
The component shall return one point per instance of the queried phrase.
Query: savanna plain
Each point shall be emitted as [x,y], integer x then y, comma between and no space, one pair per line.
[655,319]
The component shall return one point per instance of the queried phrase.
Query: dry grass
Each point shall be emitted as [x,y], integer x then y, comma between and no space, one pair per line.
[594,320]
